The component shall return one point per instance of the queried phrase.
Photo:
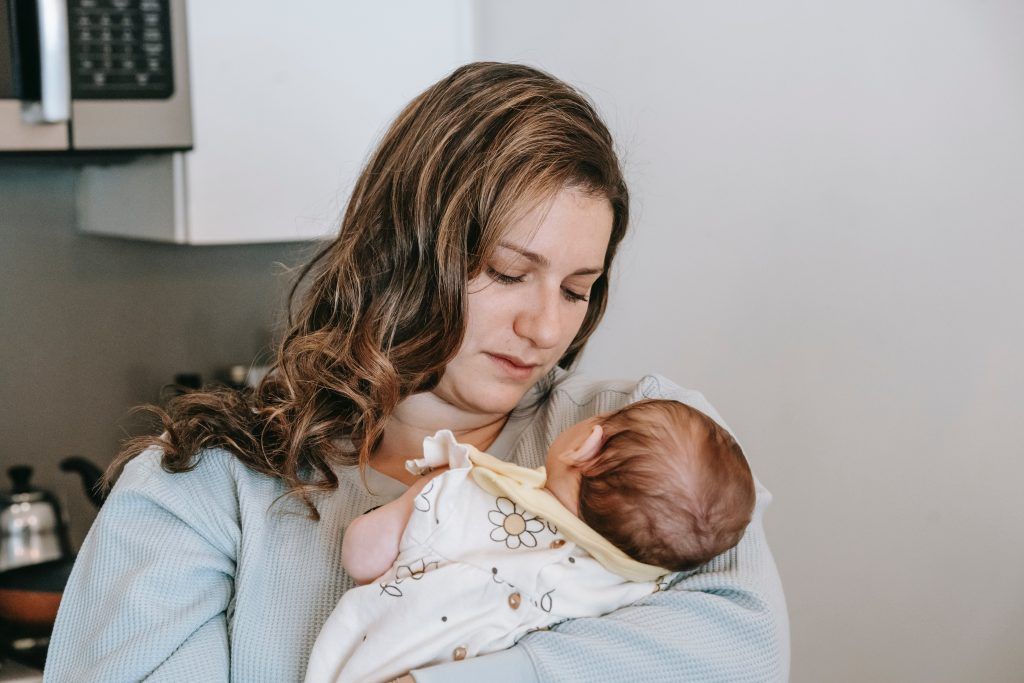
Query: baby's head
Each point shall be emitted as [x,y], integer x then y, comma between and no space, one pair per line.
[661,480]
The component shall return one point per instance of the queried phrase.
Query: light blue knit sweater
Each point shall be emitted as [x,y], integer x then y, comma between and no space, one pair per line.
[194,577]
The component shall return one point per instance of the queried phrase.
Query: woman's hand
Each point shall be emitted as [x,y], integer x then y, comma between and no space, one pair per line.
[407,678]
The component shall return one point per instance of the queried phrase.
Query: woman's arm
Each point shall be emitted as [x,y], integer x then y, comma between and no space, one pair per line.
[371,541]
[148,595]
[726,622]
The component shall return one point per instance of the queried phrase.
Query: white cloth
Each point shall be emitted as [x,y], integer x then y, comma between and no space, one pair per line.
[475,572]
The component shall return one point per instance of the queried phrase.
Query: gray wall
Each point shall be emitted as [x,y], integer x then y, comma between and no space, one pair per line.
[90,326]
[828,237]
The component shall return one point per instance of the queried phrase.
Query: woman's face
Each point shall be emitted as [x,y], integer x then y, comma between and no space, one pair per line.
[528,303]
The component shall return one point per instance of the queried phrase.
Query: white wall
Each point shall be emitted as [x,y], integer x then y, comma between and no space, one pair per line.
[829,218]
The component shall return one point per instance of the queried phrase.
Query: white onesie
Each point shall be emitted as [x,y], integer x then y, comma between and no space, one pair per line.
[475,572]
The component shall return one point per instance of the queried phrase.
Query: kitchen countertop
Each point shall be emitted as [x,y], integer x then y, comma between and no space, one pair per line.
[14,672]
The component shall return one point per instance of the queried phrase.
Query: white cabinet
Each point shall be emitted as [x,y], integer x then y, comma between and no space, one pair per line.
[288,100]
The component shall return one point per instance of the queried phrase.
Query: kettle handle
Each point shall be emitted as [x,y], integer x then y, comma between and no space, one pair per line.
[92,477]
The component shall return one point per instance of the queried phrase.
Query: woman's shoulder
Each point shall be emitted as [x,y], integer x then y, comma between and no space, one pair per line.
[209,496]
[582,387]
[211,468]
[577,391]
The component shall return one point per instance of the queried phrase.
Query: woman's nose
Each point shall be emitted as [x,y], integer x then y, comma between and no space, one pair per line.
[540,321]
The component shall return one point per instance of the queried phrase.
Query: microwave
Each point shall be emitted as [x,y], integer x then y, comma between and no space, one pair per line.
[94,75]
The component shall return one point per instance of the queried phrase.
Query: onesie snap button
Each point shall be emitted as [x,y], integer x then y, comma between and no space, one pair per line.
[459,653]
[514,600]
[558,543]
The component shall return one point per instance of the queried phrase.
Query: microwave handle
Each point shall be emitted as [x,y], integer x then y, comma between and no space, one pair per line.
[54,65]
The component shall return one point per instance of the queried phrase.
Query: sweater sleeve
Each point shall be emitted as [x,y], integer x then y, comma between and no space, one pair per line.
[149,593]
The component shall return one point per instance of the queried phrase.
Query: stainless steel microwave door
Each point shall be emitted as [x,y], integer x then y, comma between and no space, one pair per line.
[35,97]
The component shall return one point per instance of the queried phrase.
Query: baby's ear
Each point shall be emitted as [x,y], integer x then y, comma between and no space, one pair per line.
[590,447]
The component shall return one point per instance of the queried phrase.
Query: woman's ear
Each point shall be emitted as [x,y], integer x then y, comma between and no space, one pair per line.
[590,447]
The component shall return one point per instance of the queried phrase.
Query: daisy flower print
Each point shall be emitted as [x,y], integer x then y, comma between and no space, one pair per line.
[513,526]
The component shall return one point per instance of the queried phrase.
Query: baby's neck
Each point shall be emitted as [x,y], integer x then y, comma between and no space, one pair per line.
[566,491]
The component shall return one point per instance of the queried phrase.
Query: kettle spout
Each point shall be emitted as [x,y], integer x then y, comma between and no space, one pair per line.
[91,475]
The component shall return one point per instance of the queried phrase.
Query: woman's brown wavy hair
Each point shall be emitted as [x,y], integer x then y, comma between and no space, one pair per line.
[385,306]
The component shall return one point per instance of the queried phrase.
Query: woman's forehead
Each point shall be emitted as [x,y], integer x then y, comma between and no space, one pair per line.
[572,225]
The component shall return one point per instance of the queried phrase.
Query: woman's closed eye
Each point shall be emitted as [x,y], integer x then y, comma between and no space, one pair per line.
[575,297]
[504,278]
[508,279]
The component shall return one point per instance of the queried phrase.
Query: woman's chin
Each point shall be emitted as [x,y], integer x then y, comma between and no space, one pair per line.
[492,398]
[483,390]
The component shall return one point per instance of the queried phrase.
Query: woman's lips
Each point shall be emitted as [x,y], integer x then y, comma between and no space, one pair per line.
[512,367]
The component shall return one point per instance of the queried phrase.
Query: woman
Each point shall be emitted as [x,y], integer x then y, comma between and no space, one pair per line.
[470,270]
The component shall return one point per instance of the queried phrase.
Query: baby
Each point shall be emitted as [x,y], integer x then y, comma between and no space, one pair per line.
[480,551]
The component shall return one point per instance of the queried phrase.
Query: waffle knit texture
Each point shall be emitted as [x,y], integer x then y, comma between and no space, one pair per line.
[202,576]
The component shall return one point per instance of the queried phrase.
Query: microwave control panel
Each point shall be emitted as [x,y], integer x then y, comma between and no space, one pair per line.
[120,49]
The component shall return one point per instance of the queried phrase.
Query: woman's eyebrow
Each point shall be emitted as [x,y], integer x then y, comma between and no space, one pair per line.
[542,261]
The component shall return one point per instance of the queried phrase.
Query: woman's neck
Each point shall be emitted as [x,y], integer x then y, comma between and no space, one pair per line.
[420,416]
